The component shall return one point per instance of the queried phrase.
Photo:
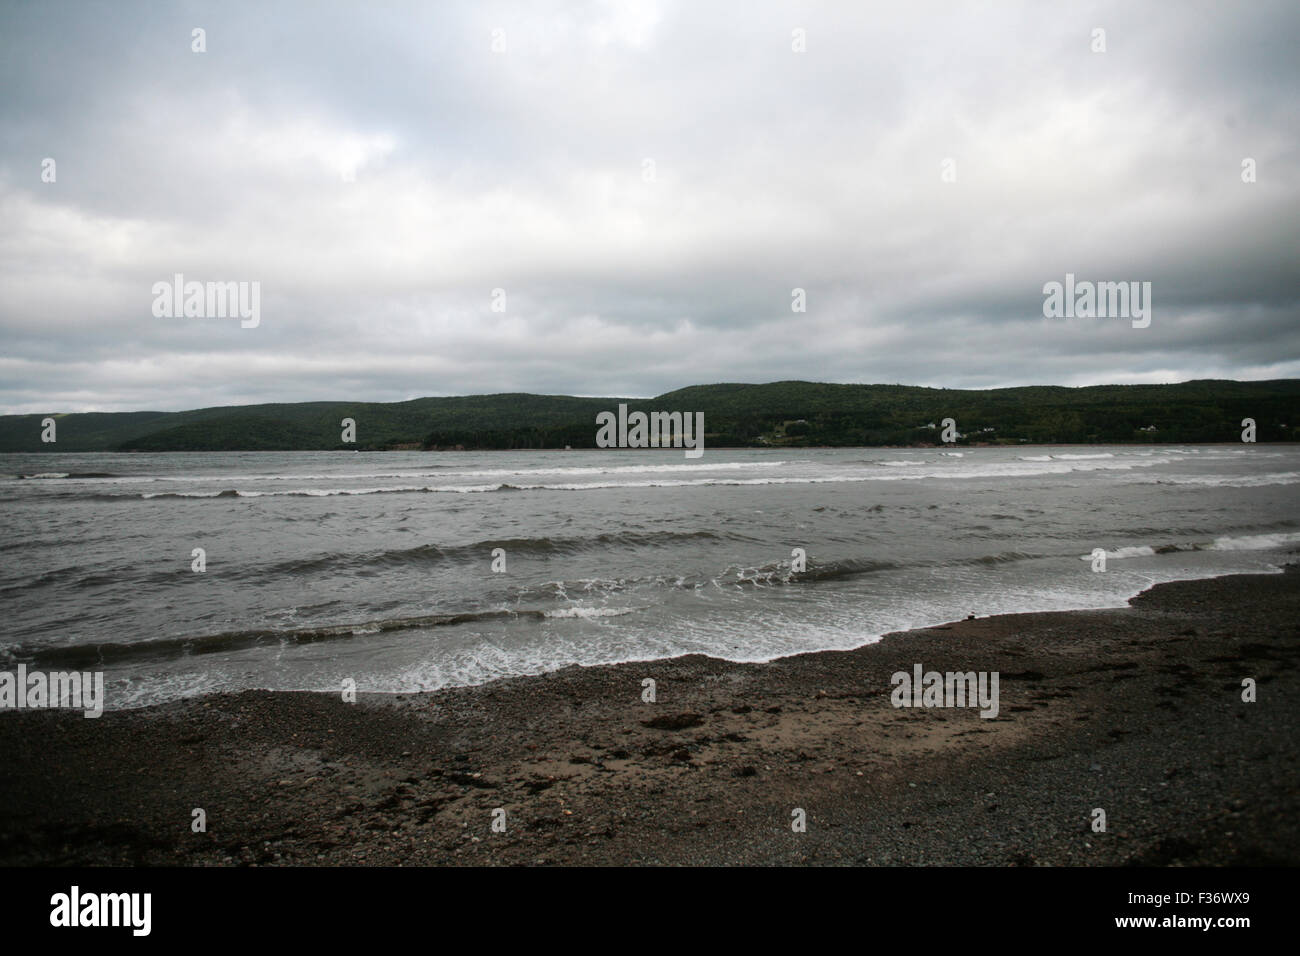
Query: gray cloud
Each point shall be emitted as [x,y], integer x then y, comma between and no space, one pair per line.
[380,171]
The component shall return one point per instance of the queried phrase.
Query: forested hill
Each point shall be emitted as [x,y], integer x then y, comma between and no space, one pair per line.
[776,414]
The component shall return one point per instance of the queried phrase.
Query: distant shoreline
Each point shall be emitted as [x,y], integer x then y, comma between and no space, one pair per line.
[775,414]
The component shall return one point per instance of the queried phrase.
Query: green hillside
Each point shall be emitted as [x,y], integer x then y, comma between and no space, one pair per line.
[738,415]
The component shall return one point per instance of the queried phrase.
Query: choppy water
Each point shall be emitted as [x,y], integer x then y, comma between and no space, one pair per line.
[377,567]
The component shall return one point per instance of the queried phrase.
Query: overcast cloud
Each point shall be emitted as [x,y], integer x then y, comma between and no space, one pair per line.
[380,170]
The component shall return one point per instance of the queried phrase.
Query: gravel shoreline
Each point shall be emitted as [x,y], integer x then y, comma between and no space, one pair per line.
[1137,711]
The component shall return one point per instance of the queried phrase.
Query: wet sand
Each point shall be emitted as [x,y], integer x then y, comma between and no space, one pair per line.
[1137,711]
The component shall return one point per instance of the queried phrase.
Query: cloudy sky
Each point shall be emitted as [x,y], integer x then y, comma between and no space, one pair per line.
[647,183]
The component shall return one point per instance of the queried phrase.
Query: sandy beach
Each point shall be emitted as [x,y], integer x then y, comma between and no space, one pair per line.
[1137,711]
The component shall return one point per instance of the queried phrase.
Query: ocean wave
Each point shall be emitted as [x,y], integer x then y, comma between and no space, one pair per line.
[1133,551]
[624,469]
[1250,542]
[1227,481]
[1256,542]
[482,550]
[58,475]
[961,472]
[451,471]
[166,648]
[589,613]
[86,656]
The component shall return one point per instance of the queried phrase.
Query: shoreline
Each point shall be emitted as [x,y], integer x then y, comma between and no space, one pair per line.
[1134,709]
[76,664]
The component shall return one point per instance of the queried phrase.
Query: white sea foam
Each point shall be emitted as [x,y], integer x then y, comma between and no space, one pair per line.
[589,613]
[235,477]
[1228,481]
[1250,542]
[183,494]
[1009,469]
[1256,542]
[1119,554]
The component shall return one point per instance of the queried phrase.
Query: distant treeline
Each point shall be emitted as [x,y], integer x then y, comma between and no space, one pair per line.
[790,414]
